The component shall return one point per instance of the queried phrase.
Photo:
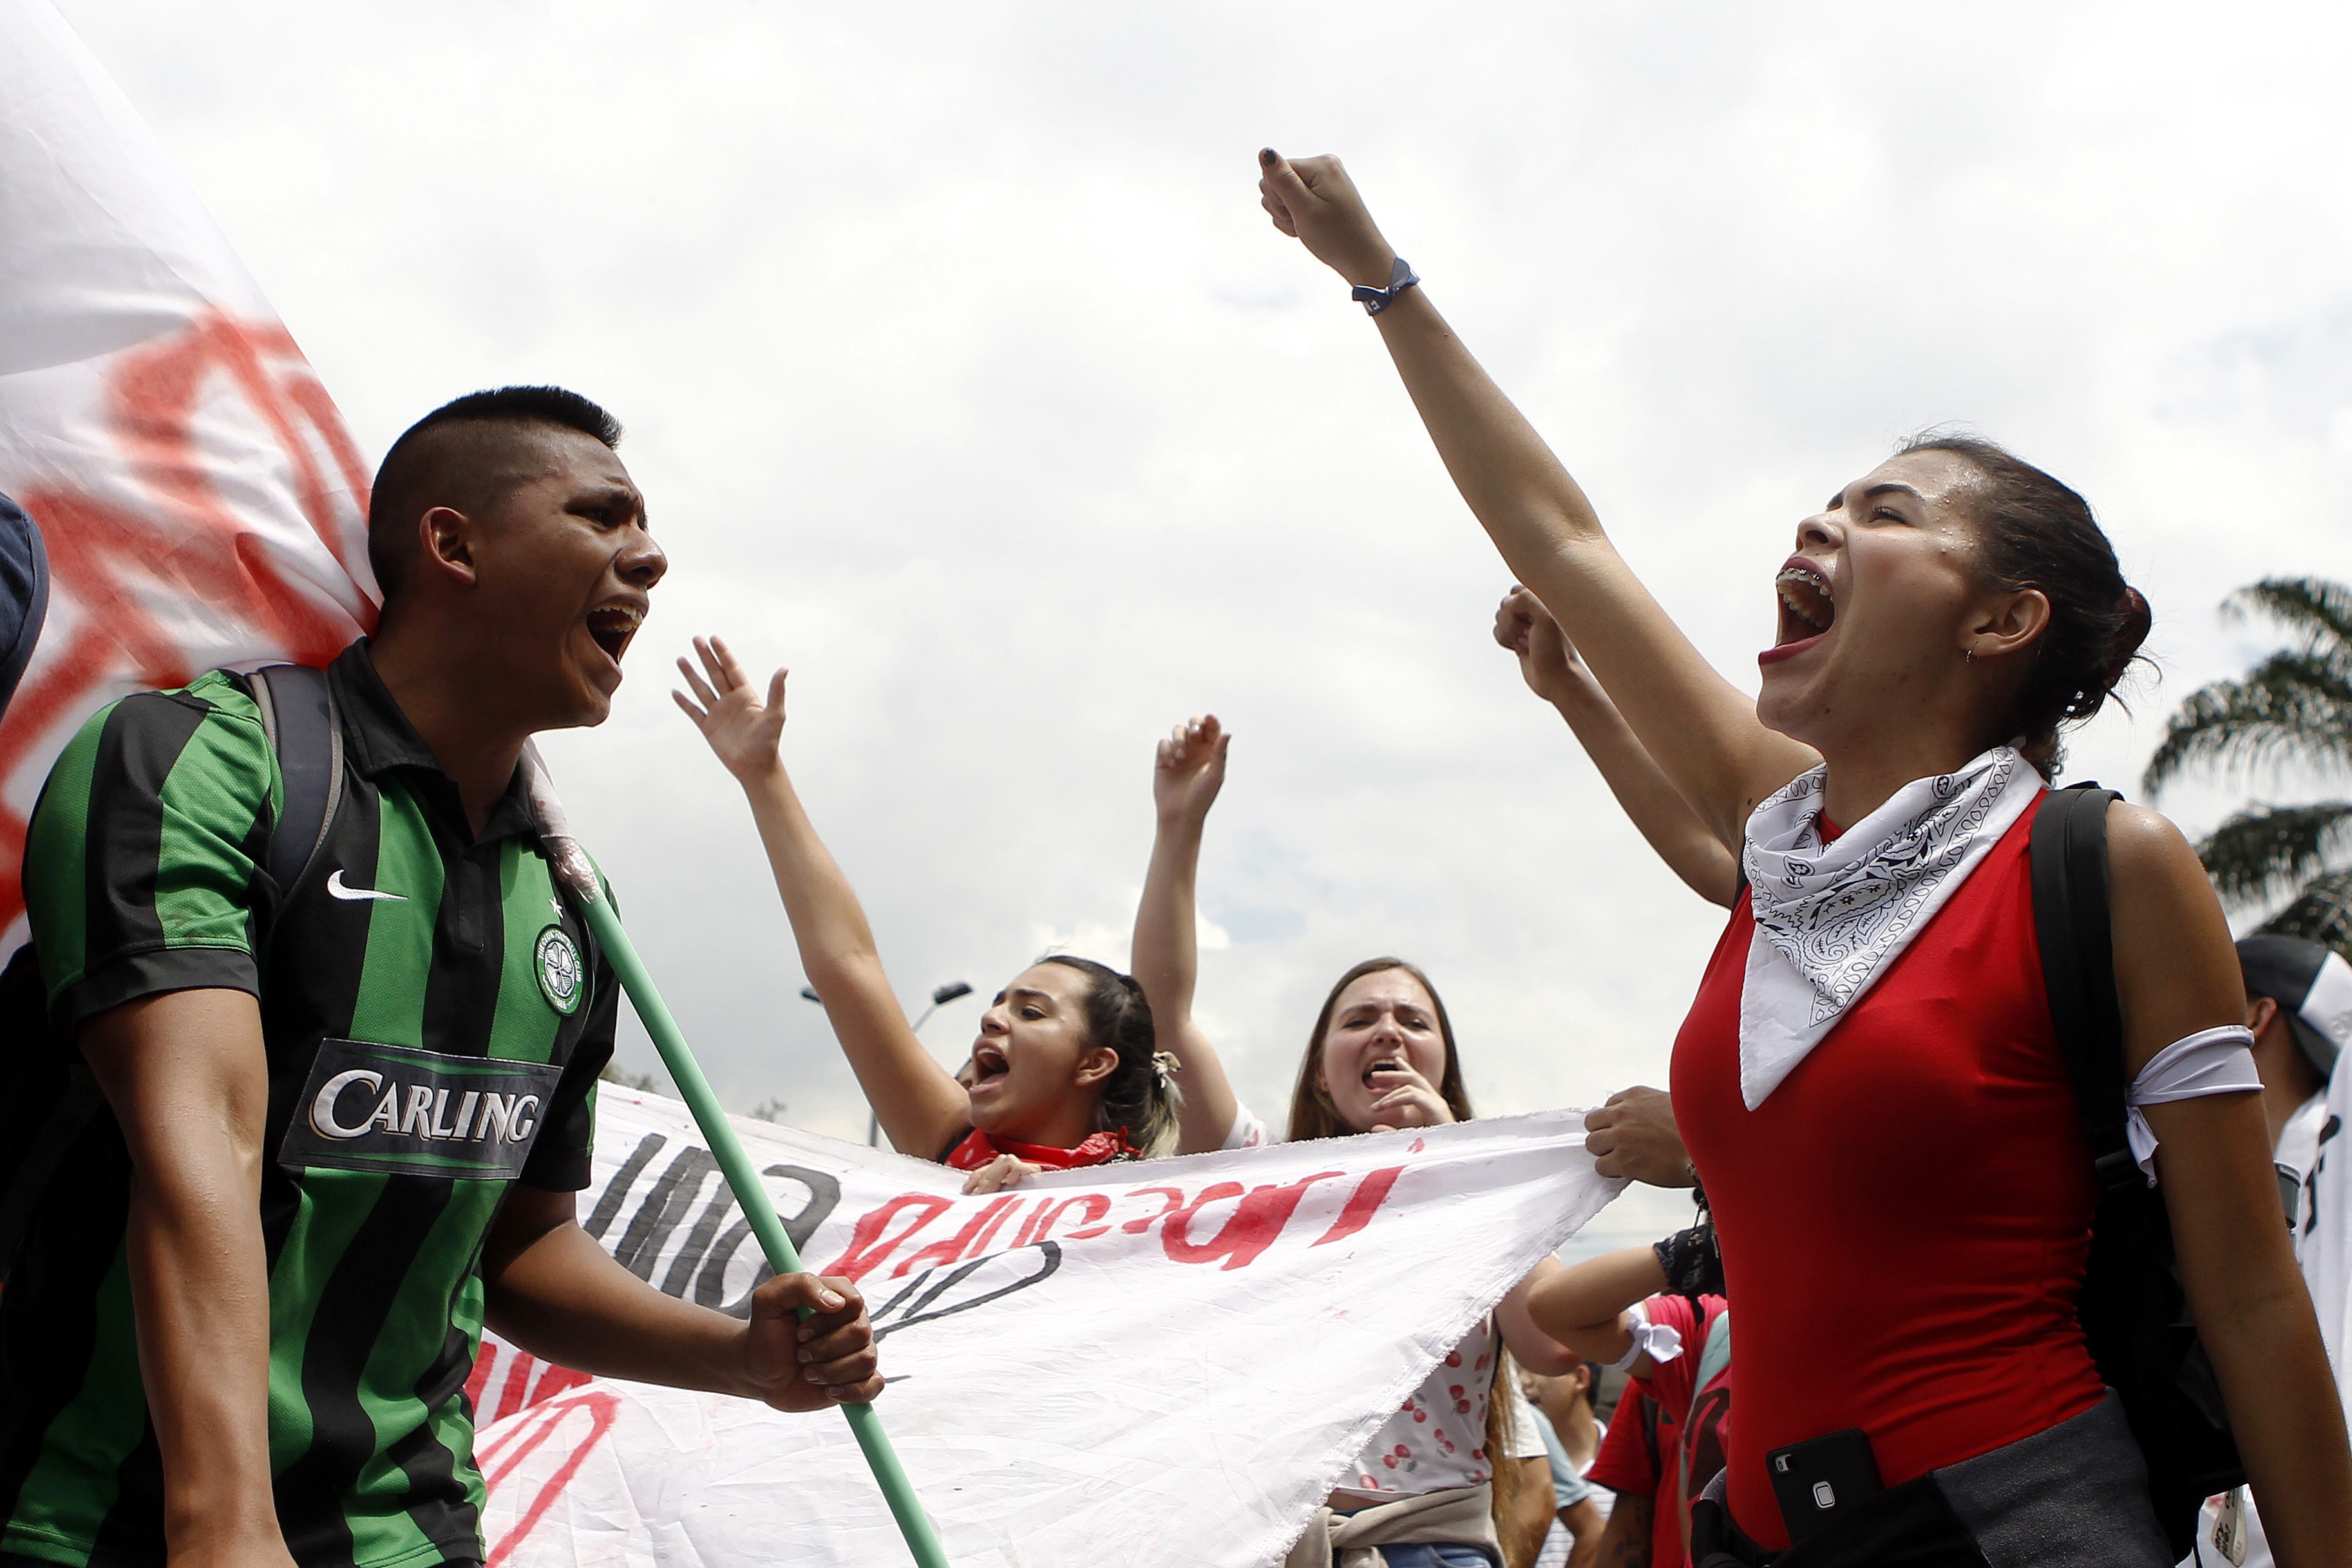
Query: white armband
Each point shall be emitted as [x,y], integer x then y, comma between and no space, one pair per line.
[2212,1061]
[1662,1342]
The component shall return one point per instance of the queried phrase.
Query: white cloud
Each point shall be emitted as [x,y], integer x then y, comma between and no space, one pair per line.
[966,378]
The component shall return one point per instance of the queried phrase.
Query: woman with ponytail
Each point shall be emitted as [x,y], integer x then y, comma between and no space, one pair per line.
[1064,1072]
[1869,1082]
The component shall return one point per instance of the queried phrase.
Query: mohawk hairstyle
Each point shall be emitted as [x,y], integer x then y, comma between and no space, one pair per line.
[456,454]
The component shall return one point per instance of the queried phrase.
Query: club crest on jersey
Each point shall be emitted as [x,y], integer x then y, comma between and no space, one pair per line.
[560,976]
[370,1107]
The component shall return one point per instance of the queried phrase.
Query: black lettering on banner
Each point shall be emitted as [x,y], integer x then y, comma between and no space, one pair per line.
[370,1107]
[616,1191]
[698,1268]
[907,1309]
[711,1285]
[663,1211]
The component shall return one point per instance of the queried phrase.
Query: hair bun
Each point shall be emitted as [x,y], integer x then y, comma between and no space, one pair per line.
[2134,619]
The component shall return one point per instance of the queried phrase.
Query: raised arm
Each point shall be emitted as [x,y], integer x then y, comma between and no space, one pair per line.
[1549,662]
[919,1102]
[188,1079]
[1165,957]
[1701,729]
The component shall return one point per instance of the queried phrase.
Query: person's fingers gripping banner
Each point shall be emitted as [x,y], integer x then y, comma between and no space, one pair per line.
[1158,1363]
[201,502]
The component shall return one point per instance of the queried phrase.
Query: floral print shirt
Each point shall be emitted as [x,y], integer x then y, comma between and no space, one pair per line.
[1437,1439]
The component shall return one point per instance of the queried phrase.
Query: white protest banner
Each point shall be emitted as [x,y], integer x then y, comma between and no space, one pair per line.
[1168,1362]
[199,499]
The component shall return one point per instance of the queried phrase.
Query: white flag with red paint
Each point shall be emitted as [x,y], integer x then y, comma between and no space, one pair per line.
[1167,1364]
[200,501]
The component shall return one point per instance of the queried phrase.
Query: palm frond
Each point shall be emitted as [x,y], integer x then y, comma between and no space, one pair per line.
[2296,706]
[2322,913]
[2315,611]
[2268,852]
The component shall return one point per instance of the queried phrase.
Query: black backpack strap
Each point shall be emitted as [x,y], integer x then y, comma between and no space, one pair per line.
[297,713]
[2069,854]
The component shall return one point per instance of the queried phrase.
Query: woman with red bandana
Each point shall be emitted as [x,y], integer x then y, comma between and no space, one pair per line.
[1064,1073]
[1869,1082]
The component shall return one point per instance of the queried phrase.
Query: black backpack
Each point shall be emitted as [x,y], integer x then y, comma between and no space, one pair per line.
[2134,1312]
[53,1095]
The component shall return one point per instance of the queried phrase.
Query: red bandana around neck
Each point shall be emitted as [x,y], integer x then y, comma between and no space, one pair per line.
[1100,1149]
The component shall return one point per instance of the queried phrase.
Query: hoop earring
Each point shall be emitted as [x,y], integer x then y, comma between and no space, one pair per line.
[1970,654]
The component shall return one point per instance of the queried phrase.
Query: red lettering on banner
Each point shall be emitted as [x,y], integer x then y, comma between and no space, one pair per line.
[869,1248]
[1034,1226]
[974,1234]
[1096,1205]
[1369,1194]
[1252,1228]
[485,1358]
[508,1384]
[554,1381]
[1258,1220]
[989,1235]
[602,1409]
[514,1394]
[1175,1197]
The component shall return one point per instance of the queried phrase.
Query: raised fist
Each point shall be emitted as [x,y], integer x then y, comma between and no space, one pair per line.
[1548,660]
[1315,202]
[1190,769]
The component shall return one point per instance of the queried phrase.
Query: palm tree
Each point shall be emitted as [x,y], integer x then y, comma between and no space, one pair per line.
[2293,708]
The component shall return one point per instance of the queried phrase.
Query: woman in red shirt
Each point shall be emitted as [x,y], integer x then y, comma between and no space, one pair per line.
[1883,1124]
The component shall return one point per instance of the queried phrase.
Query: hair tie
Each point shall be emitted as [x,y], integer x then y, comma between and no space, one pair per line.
[1165,1066]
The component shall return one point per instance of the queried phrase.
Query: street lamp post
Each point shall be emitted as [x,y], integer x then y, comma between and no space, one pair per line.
[941,997]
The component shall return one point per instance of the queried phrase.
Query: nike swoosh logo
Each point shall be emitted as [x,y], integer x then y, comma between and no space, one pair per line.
[335,886]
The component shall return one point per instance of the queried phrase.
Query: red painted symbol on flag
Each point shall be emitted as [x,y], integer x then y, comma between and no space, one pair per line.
[115,567]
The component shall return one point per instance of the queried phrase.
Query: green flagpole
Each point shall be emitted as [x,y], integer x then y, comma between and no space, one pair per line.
[579,876]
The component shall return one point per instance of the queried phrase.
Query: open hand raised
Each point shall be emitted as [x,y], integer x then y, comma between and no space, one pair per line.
[1190,769]
[741,729]
[1315,202]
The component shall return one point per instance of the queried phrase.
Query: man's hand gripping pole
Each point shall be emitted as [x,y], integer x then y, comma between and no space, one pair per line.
[572,869]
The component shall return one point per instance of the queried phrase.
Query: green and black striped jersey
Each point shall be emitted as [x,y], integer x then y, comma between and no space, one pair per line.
[435,1018]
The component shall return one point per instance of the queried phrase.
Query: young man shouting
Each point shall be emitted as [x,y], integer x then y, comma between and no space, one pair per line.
[343,1121]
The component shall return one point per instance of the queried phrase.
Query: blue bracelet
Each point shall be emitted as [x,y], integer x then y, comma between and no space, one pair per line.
[1376,300]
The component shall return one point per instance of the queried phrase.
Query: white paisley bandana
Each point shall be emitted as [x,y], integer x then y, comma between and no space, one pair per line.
[1830,918]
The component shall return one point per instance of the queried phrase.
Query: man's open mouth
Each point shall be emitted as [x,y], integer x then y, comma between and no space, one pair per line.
[1807,609]
[612,626]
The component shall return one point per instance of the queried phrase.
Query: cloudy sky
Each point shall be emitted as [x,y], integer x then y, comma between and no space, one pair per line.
[965,377]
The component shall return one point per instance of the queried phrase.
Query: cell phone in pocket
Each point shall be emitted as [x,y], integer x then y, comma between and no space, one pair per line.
[1821,1482]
